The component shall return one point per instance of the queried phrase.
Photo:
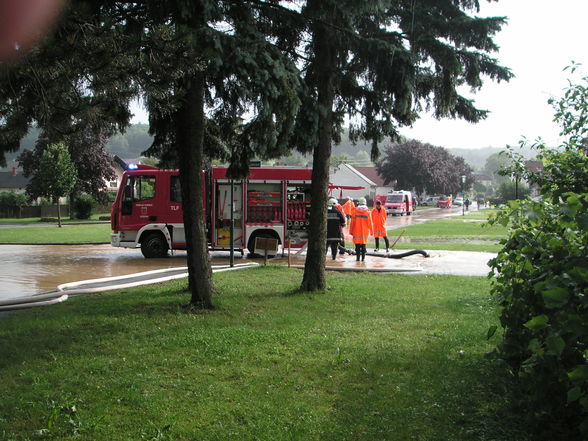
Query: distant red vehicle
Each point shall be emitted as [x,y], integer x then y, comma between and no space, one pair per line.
[444,202]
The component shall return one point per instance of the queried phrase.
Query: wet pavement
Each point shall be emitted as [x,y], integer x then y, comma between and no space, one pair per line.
[459,263]
[30,269]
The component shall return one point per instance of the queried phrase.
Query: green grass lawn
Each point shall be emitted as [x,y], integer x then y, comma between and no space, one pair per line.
[456,233]
[85,233]
[36,220]
[471,226]
[376,357]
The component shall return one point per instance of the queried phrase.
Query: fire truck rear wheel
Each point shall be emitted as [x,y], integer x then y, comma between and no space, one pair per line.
[154,245]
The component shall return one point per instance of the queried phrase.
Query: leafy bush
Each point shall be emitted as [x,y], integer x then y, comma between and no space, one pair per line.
[9,199]
[541,281]
[83,206]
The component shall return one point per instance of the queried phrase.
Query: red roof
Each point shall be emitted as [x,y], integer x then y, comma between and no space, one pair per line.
[372,174]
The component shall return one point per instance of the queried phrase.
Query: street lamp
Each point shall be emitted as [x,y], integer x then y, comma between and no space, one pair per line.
[463,179]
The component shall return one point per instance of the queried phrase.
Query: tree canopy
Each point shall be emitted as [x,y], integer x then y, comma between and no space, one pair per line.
[87,151]
[76,80]
[56,175]
[381,64]
[495,163]
[424,167]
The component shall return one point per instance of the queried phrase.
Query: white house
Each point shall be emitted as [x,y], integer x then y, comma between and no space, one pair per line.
[119,167]
[366,177]
[484,179]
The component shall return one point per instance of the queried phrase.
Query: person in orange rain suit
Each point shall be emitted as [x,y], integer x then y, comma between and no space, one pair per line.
[379,216]
[348,208]
[361,228]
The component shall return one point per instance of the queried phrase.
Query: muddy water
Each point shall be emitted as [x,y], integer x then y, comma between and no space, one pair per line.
[30,269]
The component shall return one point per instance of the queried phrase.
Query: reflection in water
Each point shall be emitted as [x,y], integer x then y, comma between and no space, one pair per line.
[30,269]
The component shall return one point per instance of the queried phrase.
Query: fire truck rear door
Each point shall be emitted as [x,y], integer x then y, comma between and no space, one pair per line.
[222,212]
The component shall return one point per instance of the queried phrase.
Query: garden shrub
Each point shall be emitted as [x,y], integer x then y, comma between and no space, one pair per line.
[11,203]
[541,281]
[83,206]
[9,199]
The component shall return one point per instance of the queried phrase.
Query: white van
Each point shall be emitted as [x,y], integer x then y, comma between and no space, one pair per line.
[431,201]
[399,202]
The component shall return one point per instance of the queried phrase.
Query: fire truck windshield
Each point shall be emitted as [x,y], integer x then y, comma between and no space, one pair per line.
[139,188]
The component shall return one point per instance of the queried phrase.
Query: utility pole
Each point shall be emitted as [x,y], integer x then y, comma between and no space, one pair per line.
[463,179]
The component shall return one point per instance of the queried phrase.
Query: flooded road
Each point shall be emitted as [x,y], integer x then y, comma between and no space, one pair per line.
[30,269]
[421,216]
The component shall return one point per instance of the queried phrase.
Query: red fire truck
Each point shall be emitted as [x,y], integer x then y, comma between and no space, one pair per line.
[272,202]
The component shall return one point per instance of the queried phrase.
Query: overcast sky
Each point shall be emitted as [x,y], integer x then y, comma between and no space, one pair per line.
[541,38]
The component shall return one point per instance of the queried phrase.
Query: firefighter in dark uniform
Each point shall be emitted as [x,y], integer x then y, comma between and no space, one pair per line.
[335,221]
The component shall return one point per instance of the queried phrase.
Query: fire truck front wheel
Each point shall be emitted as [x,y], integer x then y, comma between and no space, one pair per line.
[154,245]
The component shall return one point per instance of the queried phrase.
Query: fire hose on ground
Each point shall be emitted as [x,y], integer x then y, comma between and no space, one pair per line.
[66,290]
[344,250]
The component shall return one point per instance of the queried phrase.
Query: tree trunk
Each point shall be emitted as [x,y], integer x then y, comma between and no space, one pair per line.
[58,214]
[190,138]
[314,268]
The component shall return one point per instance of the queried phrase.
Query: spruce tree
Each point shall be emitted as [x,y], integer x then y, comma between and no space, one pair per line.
[381,63]
[202,66]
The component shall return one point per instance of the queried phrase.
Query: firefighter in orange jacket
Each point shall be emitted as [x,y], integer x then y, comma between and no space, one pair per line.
[361,228]
[379,216]
[348,208]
